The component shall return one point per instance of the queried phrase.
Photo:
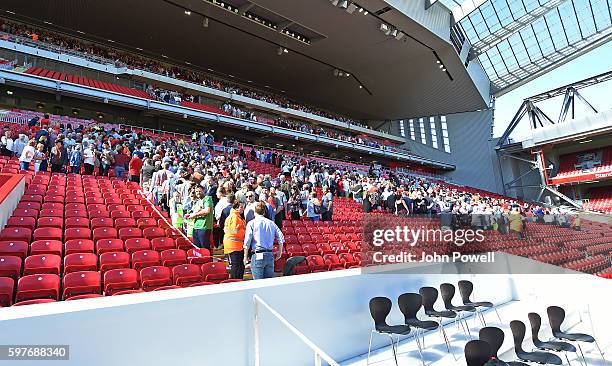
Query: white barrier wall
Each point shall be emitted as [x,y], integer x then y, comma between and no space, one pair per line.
[213,325]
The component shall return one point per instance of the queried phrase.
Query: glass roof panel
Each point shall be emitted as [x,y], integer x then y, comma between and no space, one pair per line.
[518,38]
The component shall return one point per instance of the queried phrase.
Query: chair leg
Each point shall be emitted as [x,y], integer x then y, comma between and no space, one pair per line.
[419,346]
[445,337]
[582,353]
[567,359]
[393,348]
[496,312]
[600,352]
[370,347]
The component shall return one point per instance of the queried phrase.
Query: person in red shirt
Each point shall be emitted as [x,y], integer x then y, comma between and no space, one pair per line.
[134,168]
[121,162]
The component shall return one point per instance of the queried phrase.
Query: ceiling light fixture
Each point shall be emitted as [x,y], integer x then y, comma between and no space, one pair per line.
[187,12]
[344,4]
[205,22]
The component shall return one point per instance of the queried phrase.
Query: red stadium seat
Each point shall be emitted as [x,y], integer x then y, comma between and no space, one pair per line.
[38,286]
[114,260]
[153,232]
[183,243]
[77,233]
[21,212]
[30,205]
[74,222]
[27,222]
[316,263]
[50,221]
[42,263]
[76,262]
[129,232]
[109,245]
[104,233]
[332,261]
[186,274]
[347,260]
[7,285]
[75,213]
[34,302]
[16,234]
[146,222]
[51,212]
[46,247]
[80,297]
[81,283]
[135,244]
[52,206]
[14,247]
[154,277]
[78,246]
[199,256]
[116,280]
[161,244]
[48,233]
[141,214]
[144,258]
[101,222]
[10,266]
[173,257]
[124,223]
[214,272]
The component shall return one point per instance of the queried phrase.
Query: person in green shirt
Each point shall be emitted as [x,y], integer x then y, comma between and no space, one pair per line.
[202,216]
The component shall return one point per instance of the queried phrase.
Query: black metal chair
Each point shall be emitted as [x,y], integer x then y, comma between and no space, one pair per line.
[465,290]
[429,296]
[447,291]
[380,307]
[477,353]
[495,338]
[556,315]
[536,322]
[409,305]
[518,333]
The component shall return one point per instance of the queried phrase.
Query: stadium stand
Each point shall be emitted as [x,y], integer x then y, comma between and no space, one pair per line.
[583,166]
[76,235]
[600,199]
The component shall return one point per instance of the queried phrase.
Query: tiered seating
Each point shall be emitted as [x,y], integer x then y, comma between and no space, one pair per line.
[568,171]
[74,236]
[600,199]
[203,107]
[88,82]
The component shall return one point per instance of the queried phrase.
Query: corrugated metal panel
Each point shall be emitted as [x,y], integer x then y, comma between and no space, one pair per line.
[471,151]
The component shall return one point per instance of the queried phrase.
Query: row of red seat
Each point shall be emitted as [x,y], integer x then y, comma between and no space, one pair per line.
[83,283]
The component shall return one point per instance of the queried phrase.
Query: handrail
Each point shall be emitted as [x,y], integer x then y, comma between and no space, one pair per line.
[319,354]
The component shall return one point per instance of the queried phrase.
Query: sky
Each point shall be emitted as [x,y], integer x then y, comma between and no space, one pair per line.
[595,62]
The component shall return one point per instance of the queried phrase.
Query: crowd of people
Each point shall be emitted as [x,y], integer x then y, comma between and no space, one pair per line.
[212,194]
[125,59]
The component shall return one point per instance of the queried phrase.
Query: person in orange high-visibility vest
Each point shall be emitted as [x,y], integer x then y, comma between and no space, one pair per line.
[233,240]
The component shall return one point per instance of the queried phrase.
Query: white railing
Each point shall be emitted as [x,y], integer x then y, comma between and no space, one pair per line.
[319,354]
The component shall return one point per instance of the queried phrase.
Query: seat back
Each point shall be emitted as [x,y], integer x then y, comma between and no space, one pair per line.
[556,315]
[477,353]
[518,333]
[429,295]
[380,307]
[465,290]
[535,321]
[494,337]
[409,304]
[447,292]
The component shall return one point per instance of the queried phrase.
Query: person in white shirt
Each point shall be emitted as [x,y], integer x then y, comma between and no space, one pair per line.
[89,159]
[20,144]
[27,155]
[7,144]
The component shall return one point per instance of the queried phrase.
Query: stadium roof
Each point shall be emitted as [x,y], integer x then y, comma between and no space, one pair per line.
[518,40]
[400,78]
